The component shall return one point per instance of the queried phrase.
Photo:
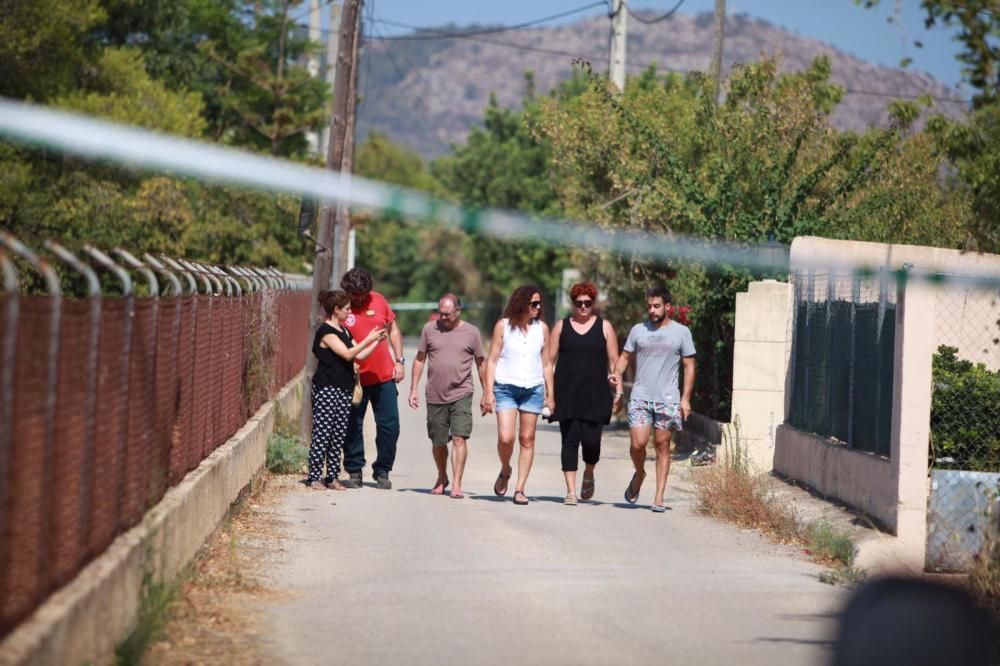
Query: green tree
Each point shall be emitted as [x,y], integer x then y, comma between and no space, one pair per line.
[503,164]
[765,164]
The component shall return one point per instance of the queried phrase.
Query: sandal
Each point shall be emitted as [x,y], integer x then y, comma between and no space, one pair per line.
[632,495]
[657,508]
[587,488]
[316,484]
[457,494]
[438,488]
[500,487]
[570,499]
[520,498]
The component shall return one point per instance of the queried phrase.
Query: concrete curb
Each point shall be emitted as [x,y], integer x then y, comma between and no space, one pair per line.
[86,619]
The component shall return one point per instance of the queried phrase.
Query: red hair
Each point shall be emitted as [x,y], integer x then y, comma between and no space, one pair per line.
[583,289]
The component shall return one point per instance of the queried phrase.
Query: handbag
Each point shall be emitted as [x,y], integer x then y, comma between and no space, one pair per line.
[356,396]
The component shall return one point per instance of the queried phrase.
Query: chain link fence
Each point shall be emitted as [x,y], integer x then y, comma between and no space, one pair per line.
[965,427]
[106,402]
[842,358]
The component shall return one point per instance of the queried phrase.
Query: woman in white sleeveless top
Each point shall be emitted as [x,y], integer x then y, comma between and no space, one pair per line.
[518,382]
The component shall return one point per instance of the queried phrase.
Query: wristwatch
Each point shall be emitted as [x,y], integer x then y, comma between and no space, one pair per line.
[401,359]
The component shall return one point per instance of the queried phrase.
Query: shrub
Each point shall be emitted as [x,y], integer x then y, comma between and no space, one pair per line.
[965,416]
[286,453]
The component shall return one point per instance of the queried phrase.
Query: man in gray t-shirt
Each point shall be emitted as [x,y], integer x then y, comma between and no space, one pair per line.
[450,346]
[656,406]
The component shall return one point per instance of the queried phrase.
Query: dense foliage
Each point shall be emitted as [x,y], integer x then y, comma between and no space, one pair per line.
[965,416]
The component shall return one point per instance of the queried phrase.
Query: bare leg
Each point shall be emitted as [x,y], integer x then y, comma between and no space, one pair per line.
[505,438]
[526,437]
[639,437]
[662,438]
[570,481]
[459,453]
[441,460]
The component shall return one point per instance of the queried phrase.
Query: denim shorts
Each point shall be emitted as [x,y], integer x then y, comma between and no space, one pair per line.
[660,415]
[517,397]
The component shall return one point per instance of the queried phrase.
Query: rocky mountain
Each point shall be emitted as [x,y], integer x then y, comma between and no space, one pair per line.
[427,92]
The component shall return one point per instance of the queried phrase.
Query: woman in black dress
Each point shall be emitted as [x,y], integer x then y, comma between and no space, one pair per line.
[584,348]
[332,387]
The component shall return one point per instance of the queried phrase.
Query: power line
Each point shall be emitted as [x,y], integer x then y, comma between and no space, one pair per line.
[437,33]
[665,17]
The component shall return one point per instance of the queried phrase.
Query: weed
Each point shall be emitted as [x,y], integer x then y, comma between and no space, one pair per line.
[984,576]
[734,491]
[154,611]
[828,543]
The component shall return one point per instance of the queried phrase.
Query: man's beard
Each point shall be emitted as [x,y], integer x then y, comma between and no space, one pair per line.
[656,319]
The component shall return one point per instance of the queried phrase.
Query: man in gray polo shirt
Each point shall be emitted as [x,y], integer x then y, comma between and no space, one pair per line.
[449,346]
[656,406]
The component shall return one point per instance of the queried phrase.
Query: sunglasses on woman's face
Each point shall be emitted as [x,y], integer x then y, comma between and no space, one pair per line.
[583,304]
[535,304]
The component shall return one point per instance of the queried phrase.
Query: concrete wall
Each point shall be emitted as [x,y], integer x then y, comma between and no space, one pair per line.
[760,366]
[86,619]
[894,491]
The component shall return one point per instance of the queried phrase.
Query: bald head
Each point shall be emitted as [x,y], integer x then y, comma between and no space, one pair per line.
[449,310]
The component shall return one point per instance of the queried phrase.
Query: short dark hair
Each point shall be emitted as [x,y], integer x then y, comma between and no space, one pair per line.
[356,281]
[659,291]
[333,299]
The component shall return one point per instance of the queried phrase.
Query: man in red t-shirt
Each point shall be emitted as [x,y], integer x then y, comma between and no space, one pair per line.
[380,373]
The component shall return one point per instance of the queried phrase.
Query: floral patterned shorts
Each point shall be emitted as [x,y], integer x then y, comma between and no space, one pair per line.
[661,415]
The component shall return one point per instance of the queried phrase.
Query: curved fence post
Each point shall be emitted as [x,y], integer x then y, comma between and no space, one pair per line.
[30,507]
[175,284]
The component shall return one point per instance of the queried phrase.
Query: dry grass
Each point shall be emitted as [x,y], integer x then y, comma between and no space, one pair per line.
[984,578]
[215,618]
[735,492]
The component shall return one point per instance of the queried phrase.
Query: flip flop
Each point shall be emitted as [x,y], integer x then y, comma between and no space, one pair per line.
[500,487]
[570,500]
[520,498]
[632,495]
[438,489]
[657,508]
[457,494]
[587,488]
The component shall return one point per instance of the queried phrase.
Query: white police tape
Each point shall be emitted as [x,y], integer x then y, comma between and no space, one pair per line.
[95,139]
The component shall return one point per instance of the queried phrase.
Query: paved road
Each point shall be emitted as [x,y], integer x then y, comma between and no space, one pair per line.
[403,576]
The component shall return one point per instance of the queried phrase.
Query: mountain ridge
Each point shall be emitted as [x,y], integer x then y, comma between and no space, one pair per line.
[427,93]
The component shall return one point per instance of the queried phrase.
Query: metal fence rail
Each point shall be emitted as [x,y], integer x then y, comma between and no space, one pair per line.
[842,358]
[105,402]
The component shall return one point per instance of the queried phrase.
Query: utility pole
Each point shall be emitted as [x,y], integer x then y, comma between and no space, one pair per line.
[720,31]
[343,102]
[332,43]
[616,65]
[312,63]
[343,258]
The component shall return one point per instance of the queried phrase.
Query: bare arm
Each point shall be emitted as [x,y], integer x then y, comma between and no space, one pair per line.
[415,372]
[616,379]
[550,396]
[396,342]
[689,373]
[554,341]
[496,343]
[611,343]
[358,352]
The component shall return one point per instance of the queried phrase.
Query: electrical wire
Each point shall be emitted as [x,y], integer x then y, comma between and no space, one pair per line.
[436,33]
[665,17]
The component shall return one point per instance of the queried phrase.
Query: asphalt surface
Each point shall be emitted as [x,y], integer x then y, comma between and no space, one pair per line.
[403,576]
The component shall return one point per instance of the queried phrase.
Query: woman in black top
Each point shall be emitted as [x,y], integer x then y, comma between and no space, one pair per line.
[584,348]
[332,387]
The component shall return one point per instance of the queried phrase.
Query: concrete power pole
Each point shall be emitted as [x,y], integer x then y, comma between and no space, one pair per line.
[720,31]
[616,65]
[332,43]
[312,62]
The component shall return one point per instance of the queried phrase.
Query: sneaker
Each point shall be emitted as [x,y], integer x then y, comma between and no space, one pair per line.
[354,481]
[383,483]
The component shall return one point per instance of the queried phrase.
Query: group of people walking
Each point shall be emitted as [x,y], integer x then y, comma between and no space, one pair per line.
[571,374]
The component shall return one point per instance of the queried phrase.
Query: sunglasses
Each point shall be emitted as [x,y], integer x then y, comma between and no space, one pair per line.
[583,304]
[535,304]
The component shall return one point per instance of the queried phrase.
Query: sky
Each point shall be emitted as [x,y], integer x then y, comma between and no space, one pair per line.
[864,33]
